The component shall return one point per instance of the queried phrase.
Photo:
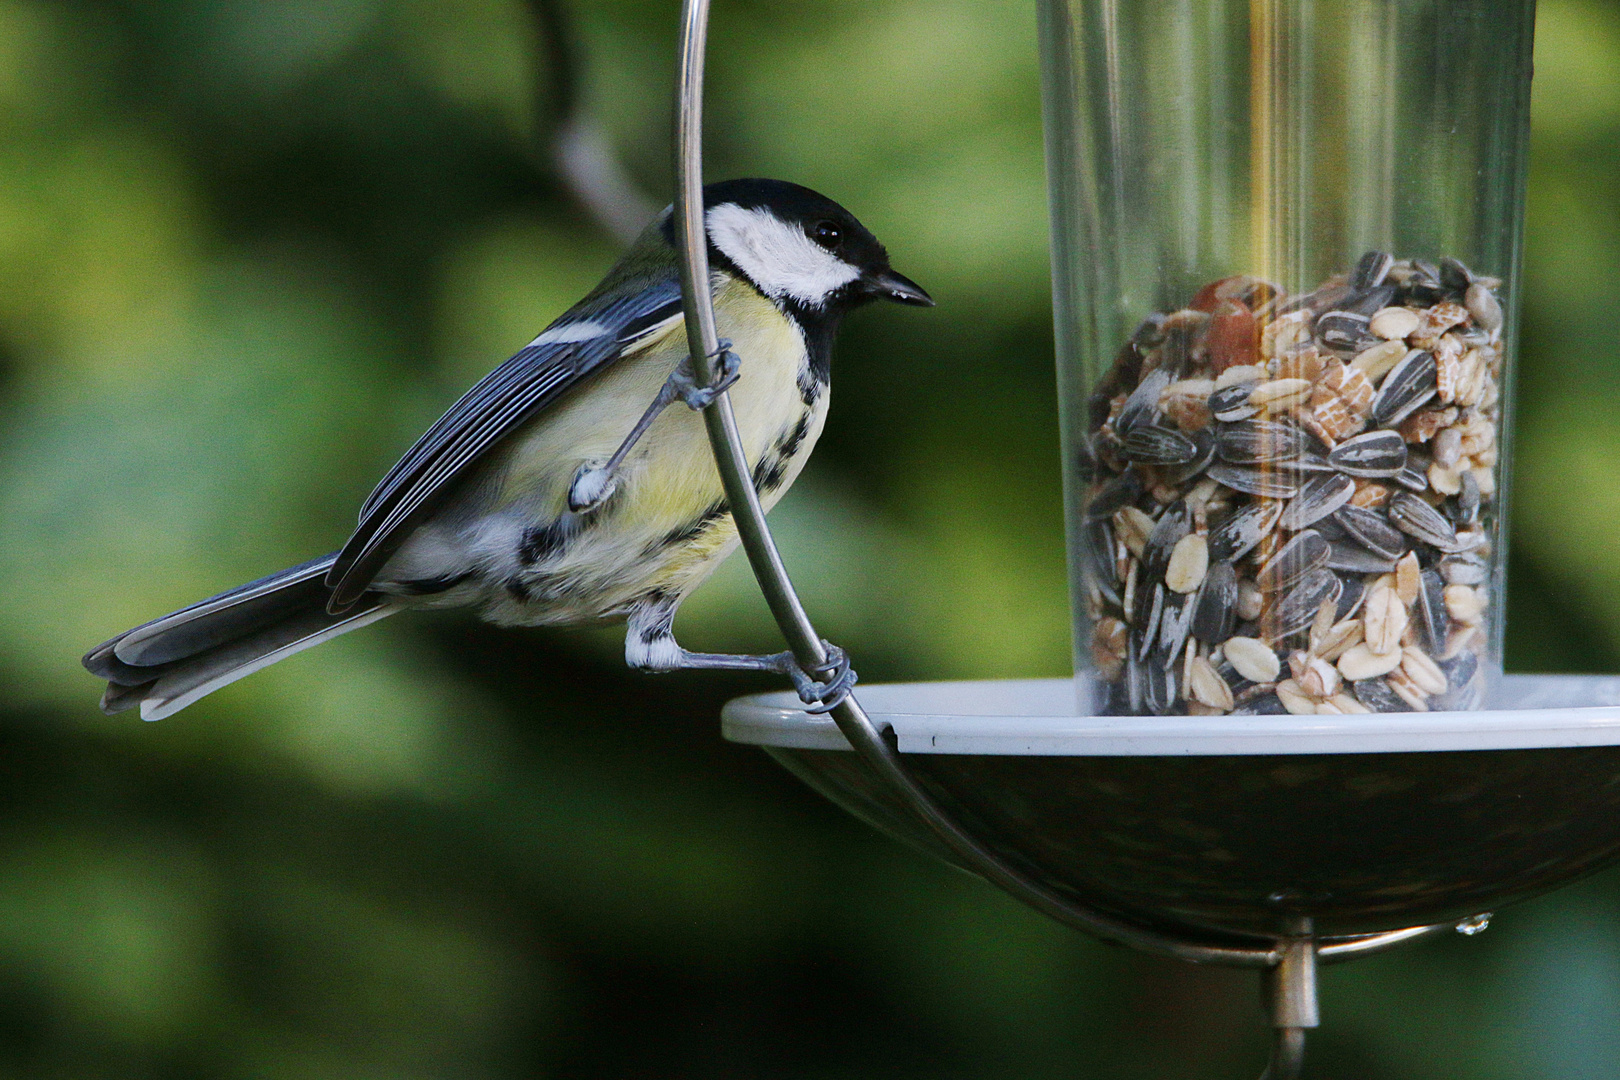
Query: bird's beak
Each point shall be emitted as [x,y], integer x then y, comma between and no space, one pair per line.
[897,287]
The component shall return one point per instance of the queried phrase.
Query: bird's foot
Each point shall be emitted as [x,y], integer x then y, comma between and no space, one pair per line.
[727,369]
[822,689]
[836,680]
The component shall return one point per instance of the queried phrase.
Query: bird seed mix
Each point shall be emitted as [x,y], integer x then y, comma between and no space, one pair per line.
[1291,502]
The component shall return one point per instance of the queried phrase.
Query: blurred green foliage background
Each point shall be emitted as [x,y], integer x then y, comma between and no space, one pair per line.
[249,249]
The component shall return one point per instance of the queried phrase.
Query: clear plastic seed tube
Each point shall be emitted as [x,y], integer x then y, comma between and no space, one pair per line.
[1285,249]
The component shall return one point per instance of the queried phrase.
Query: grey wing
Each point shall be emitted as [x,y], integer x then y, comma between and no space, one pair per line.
[500,403]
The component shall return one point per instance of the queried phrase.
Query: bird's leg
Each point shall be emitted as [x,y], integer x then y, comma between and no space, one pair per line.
[650,645]
[594,483]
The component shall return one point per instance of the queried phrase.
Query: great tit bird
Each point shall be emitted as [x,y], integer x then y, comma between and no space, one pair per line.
[561,489]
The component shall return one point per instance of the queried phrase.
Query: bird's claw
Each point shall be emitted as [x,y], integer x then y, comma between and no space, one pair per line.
[727,369]
[837,680]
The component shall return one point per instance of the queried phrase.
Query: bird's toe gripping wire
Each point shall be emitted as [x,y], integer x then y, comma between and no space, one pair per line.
[727,369]
[824,689]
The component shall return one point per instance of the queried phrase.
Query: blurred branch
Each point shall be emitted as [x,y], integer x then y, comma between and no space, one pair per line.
[580,148]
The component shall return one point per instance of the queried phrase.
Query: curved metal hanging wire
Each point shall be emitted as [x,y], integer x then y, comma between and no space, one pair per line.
[876,748]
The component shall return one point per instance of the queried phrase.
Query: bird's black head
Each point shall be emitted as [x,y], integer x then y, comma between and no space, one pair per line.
[801,249]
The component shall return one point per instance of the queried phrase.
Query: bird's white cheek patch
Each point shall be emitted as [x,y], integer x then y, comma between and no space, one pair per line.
[778,256]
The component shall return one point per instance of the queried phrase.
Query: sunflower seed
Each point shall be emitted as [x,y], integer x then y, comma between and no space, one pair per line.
[1097,555]
[1419,520]
[1343,331]
[1454,276]
[1318,497]
[1351,558]
[1255,442]
[1377,696]
[1465,569]
[1374,454]
[1203,453]
[1143,403]
[1135,678]
[1369,301]
[1245,527]
[1434,624]
[1371,270]
[1297,609]
[1460,669]
[1160,688]
[1232,402]
[1150,628]
[1173,524]
[1372,530]
[1154,445]
[1119,492]
[1305,552]
[1215,611]
[1264,705]
[1174,625]
[1355,591]
[1409,384]
[1267,483]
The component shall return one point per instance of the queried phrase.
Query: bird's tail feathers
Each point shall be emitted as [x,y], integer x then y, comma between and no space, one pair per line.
[170,662]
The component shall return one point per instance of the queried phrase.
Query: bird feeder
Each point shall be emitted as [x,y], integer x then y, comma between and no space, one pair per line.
[1285,247]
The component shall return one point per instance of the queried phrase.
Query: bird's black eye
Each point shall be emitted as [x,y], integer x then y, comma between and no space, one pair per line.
[826,234]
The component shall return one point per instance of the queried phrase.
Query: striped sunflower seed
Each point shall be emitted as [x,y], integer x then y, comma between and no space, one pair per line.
[1349,557]
[1372,530]
[1154,445]
[1173,524]
[1377,696]
[1298,607]
[1245,527]
[1409,384]
[1149,638]
[1371,270]
[1305,552]
[1257,442]
[1419,520]
[1320,496]
[1143,404]
[1232,403]
[1434,624]
[1374,454]
[1343,331]
[1215,610]
[1265,483]
[1174,625]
